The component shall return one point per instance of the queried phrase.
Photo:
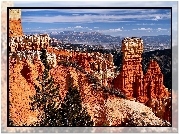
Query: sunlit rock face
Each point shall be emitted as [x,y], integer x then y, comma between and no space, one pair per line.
[146,88]
[130,78]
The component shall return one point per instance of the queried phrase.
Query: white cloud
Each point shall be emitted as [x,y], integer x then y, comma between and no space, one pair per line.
[78,27]
[160,29]
[157,18]
[115,30]
[146,24]
[27,28]
[75,14]
[150,29]
[110,31]
[126,30]
[89,18]
[143,29]
[96,27]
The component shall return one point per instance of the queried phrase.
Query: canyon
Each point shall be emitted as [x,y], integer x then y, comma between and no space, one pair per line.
[145,91]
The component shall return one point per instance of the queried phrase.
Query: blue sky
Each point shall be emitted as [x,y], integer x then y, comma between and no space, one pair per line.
[115,22]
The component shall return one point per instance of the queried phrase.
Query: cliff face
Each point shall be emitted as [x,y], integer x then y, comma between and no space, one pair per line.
[22,78]
[94,100]
[28,42]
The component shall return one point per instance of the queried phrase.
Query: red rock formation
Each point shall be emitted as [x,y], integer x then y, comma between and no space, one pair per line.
[129,79]
[148,88]
[15,27]
[22,78]
[155,90]
[91,99]
[153,82]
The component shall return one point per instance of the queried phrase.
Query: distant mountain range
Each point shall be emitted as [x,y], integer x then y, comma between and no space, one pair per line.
[96,38]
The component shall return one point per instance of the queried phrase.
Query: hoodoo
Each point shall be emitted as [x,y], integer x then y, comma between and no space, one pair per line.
[149,88]
[130,78]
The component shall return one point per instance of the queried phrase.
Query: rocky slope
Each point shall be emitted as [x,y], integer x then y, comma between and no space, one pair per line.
[131,113]
[98,106]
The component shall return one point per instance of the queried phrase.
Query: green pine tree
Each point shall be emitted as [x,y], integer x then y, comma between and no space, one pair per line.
[71,109]
[70,112]
[47,97]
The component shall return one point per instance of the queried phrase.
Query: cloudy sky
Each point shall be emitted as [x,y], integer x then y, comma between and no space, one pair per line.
[115,22]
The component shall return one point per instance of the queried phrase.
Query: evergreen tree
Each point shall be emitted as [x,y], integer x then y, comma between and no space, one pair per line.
[72,112]
[47,97]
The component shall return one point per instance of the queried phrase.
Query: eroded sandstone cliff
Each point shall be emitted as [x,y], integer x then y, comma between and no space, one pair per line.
[87,70]
[22,78]
[98,106]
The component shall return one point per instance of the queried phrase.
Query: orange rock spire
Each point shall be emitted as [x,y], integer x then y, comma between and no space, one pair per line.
[129,79]
[15,27]
[149,88]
